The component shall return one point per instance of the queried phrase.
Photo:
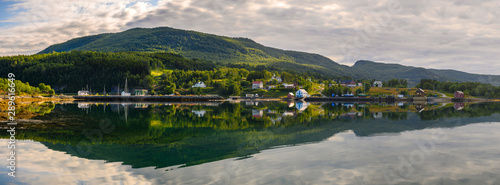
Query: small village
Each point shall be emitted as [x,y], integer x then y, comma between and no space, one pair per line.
[274,90]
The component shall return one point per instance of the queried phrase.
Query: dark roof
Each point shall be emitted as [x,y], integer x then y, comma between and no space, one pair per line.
[348,81]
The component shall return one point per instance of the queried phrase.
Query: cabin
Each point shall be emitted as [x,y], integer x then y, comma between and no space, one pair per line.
[301,93]
[289,86]
[459,94]
[199,84]
[377,84]
[141,92]
[271,87]
[348,83]
[257,85]
[420,93]
[290,95]
[83,93]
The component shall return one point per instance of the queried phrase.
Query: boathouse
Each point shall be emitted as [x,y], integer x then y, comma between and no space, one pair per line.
[459,94]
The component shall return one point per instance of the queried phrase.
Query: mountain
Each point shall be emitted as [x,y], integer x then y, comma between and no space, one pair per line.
[381,71]
[192,44]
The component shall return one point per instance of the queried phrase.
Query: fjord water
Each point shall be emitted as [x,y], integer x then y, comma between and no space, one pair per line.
[259,143]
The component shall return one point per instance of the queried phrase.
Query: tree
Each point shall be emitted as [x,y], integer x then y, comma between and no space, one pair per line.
[52,92]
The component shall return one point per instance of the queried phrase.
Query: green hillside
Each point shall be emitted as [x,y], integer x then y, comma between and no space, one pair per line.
[193,44]
[242,51]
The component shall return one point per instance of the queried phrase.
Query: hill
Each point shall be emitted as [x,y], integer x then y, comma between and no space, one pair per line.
[227,50]
[193,44]
[381,71]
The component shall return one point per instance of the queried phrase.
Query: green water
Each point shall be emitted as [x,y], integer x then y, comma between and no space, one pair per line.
[259,143]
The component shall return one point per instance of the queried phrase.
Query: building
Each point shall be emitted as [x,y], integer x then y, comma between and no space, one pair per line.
[420,93]
[83,93]
[377,84]
[199,84]
[271,87]
[459,94]
[277,78]
[349,83]
[249,95]
[289,86]
[290,95]
[360,84]
[301,93]
[141,92]
[257,85]
[125,93]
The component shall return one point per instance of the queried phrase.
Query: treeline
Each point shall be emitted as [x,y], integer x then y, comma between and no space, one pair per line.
[469,88]
[68,72]
[25,88]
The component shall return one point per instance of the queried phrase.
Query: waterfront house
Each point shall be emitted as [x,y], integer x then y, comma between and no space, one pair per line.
[83,93]
[348,83]
[257,85]
[290,95]
[199,84]
[377,84]
[301,93]
[420,93]
[459,94]
[141,92]
[125,93]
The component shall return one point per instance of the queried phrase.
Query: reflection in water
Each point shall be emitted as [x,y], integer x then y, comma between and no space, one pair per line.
[322,143]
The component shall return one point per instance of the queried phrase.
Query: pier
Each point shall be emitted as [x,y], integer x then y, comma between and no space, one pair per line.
[150,98]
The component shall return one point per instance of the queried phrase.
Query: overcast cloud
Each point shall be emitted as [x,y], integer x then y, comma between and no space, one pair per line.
[454,34]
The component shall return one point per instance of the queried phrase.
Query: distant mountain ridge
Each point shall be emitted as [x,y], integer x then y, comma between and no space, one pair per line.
[382,71]
[192,44]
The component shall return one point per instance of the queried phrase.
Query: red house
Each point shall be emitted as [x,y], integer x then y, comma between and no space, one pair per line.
[348,83]
[459,94]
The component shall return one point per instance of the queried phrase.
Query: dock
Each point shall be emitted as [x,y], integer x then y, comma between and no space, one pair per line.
[150,98]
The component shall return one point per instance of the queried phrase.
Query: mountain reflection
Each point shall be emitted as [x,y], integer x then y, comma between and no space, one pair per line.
[163,135]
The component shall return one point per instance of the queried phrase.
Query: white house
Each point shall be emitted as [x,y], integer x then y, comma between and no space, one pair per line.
[301,93]
[199,84]
[277,78]
[288,86]
[125,93]
[377,84]
[83,93]
[257,85]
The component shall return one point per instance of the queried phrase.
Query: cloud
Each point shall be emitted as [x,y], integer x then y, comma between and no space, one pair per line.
[433,34]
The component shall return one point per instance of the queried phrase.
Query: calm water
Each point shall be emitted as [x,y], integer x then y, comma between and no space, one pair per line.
[259,143]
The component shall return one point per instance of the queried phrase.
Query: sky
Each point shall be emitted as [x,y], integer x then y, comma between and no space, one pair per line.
[440,34]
